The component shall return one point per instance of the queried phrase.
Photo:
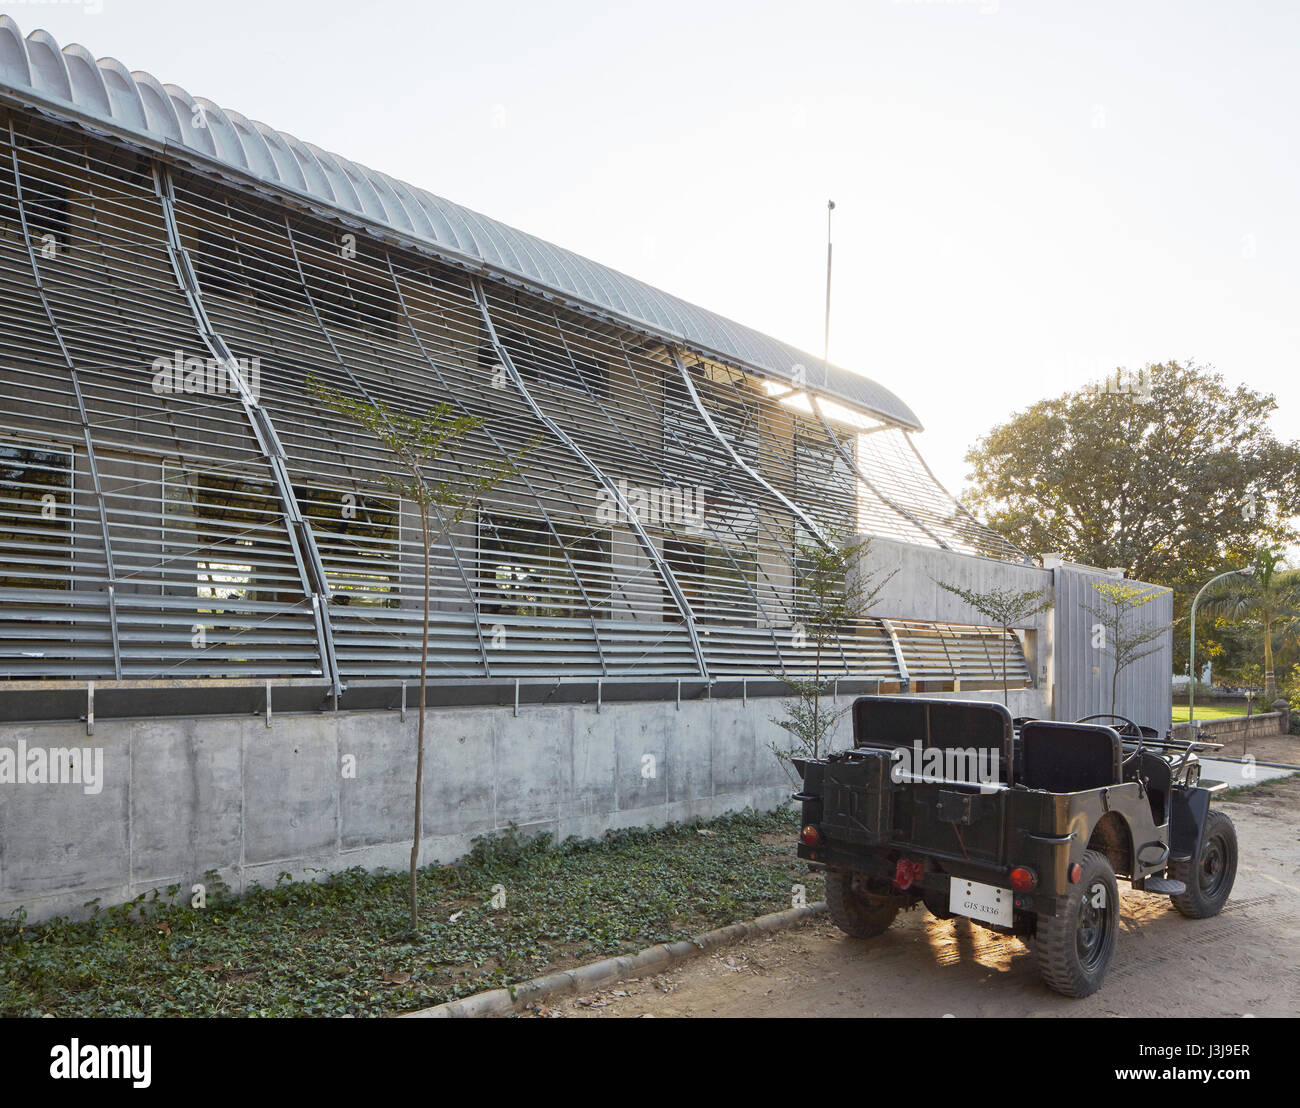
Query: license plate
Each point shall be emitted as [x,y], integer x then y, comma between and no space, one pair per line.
[986,903]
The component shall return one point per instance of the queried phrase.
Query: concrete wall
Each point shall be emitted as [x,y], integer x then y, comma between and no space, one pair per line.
[1236,727]
[914,593]
[180,797]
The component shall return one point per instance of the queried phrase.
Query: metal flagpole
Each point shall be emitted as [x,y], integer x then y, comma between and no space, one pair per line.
[826,346]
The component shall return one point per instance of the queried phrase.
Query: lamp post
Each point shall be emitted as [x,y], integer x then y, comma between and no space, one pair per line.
[1191,653]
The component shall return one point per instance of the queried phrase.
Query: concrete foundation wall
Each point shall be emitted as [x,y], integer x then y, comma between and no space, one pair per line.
[181,797]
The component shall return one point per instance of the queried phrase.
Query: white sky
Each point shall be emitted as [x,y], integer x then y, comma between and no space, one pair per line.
[1028,193]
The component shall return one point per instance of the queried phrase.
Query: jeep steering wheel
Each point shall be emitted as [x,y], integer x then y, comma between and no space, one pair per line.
[1130,731]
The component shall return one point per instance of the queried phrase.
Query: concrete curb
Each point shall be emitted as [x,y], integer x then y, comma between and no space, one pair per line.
[1256,762]
[587,978]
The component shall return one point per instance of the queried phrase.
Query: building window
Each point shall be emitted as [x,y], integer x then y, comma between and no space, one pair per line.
[35,517]
[718,582]
[219,529]
[687,436]
[543,361]
[226,540]
[522,568]
[358,539]
[825,481]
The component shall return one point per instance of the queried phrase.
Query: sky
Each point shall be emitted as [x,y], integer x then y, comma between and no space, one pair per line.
[1028,194]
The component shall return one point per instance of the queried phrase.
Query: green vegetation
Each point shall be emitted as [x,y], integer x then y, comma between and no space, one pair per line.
[418,443]
[1174,480]
[1268,605]
[1118,600]
[1204,712]
[343,945]
[1005,607]
[835,590]
[1241,792]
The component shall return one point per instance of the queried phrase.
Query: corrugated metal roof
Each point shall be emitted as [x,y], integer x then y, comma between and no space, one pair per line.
[105,90]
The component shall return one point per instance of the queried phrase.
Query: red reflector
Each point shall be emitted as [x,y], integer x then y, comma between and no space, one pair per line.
[1023,879]
[811,836]
[1076,872]
[907,873]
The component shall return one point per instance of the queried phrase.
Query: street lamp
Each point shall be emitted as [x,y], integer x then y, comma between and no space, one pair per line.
[1191,653]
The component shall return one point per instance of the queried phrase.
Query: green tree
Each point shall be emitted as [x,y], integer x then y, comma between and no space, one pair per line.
[1006,608]
[1118,602]
[1268,603]
[1171,481]
[418,443]
[834,590]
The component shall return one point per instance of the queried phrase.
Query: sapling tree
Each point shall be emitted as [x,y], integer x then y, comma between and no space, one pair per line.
[833,591]
[421,443]
[1116,630]
[1006,608]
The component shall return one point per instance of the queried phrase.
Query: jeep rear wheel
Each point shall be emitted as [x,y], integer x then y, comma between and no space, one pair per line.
[855,914]
[1074,949]
[1209,877]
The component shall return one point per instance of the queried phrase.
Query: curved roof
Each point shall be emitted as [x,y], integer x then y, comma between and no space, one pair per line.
[105,90]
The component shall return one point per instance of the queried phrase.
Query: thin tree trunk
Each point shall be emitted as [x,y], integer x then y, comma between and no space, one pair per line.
[418,832]
[1270,677]
[1006,695]
[817,696]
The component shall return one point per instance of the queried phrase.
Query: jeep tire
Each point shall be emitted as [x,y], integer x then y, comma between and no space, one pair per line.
[1074,949]
[853,913]
[1209,877]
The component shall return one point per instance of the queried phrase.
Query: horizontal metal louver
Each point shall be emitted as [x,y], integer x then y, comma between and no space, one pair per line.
[174,504]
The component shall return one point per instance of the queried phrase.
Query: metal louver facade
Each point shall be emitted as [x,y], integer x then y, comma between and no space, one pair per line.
[174,506]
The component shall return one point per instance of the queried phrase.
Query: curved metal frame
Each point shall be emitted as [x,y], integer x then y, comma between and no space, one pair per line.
[656,559]
[301,540]
[81,412]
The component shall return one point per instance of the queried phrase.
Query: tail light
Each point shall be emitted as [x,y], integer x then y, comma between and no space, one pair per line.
[1023,879]
[811,836]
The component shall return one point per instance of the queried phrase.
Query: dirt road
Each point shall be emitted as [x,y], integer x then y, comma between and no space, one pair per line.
[1244,961]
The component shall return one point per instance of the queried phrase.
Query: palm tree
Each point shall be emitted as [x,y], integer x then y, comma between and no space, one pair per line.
[1270,600]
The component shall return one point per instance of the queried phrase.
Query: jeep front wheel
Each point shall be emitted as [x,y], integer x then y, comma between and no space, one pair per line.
[1074,949]
[1209,877]
[855,914]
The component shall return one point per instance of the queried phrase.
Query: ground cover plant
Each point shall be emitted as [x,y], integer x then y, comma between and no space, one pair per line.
[342,944]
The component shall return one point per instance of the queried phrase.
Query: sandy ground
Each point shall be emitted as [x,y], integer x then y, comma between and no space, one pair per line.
[1245,961]
[1284,749]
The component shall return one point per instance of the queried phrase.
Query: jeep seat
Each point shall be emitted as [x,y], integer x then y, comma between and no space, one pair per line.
[1070,757]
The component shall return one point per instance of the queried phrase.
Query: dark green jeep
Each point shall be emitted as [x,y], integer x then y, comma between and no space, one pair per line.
[1019,825]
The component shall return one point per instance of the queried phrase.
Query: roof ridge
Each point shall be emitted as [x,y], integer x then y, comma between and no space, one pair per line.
[136,101]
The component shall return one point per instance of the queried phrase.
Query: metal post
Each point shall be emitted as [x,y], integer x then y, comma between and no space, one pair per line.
[1191,649]
[826,345]
[302,542]
[647,545]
